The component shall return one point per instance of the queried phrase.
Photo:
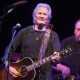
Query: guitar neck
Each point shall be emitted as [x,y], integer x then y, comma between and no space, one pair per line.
[39,63]
[47,59]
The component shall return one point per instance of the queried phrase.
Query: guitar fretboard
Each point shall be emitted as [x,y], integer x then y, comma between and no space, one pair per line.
[47,59]
[39,63]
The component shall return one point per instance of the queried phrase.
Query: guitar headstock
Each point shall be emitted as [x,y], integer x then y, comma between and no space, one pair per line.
[66,51]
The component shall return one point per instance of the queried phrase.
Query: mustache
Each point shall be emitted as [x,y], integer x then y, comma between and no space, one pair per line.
[41,19]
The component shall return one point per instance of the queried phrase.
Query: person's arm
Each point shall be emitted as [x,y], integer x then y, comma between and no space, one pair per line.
[56,47]
[58,66]
[12,70]
[55,42]
[63,69]
[16,42]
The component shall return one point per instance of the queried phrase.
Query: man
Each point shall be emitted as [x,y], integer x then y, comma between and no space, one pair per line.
[30,40]
[73,60]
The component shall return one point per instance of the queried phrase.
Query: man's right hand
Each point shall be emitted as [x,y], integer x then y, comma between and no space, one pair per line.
[12,70]
[64,69]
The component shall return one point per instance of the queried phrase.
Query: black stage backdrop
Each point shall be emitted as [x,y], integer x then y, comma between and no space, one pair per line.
[64,13]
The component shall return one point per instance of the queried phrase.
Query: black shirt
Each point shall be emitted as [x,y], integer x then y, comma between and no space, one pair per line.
[73,60]
[30,42]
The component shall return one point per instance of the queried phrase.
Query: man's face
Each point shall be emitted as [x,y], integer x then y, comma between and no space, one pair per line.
[77,31]
[41,15]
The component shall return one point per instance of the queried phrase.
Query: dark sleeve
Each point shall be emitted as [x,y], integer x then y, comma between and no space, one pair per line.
[16,42]
[56,45]
[55,42]
[64,45]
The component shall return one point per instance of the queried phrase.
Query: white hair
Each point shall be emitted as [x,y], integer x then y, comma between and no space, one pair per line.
[43,5]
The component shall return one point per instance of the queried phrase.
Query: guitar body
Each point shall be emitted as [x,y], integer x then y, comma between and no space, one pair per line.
[30,75]
[3,73]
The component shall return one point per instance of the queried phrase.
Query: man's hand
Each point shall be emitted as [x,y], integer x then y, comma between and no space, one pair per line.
[64,69]
[12,70]
[55,57]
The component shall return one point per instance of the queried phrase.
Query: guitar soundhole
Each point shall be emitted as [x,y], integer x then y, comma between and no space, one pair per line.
[23,71]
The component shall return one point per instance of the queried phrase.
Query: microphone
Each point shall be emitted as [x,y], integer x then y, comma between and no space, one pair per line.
[18,25]
[18,3]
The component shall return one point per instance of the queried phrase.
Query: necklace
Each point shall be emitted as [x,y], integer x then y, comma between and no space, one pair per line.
[38,35]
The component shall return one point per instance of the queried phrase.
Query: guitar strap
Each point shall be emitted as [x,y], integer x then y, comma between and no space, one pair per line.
[44,43]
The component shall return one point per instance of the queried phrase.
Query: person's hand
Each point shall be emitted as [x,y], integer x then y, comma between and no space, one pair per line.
[55,57]
[12,70]
[64,69]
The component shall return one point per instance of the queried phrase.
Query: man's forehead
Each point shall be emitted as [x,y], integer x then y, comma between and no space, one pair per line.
[42,9]
[77,25]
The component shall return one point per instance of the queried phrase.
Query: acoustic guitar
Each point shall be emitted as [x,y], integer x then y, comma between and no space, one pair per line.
[26,66]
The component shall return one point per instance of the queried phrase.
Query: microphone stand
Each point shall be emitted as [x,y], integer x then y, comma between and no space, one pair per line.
[7,52]
[1,17]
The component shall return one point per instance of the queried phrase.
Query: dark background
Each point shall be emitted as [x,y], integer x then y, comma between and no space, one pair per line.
[64,13]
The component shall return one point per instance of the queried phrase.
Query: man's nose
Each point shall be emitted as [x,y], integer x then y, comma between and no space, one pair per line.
[42,15]
[79,33]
